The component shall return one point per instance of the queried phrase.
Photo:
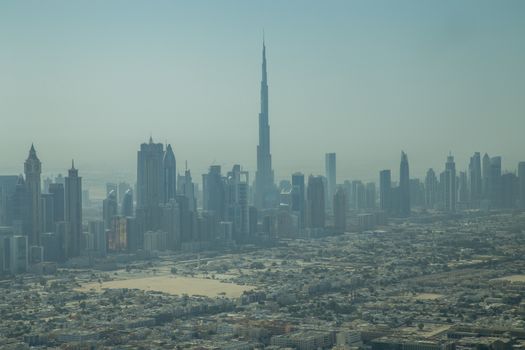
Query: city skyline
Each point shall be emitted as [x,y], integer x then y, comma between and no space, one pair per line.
[419,121]
[250,175]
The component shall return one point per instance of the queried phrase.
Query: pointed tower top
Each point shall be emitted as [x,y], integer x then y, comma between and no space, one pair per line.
[264,74]
[72,164]
[150,138]
[32,151]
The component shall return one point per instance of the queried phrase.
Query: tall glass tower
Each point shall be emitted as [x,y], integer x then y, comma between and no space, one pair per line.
[264,177]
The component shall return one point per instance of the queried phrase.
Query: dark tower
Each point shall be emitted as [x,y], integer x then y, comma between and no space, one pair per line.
[170,175]
[404,186]
[32,170]
[264,178]
[385,191]
[74,211]
[475,179]
[150,183]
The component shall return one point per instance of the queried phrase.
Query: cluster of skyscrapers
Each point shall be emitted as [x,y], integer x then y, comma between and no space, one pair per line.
[167,210]
[38,223]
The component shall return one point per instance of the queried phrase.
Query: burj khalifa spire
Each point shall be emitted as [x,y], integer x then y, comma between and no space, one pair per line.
[264,177]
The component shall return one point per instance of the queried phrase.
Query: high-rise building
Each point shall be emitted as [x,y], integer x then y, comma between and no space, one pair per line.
[475,180]
[298,199]
[150,183]
[316,206]
[59,198]
[32,170]
[431,189]
[109,209]
[214,192]
[127,204]
[123,187]
[495,182]
[450,189]
[340,206]
[265,192]
[370,195]
[97,229]
[330,173]
[171,224]
[7,188]
[486,175]
[385,191]
[74,210]
[236,197]
[170,175]
[521,179]
[18,204]
[48,212]
[111,186]
[463,189]
[359,194]
[417,193]
[404,186]
[509,190]
[187,189]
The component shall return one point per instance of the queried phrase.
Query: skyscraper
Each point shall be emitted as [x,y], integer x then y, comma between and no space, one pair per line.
[109,208]
[74,210]
[265,193]
[170,175]
[385,190]
[475,179]
[150,183]
[404,186]
[298,200]
[521,179]
[340,205]
[509,190]
[462,188]
[316,205]
[486,175]
[126,208]
[431,189]
[450,189]
[32,170]
[494,186]
[59,198]
[7,188]
[214,192]
[330,173]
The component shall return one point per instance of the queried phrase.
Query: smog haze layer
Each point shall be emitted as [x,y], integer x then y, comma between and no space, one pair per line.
[91,80]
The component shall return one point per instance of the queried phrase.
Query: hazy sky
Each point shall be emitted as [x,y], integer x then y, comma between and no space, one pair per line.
[365,79]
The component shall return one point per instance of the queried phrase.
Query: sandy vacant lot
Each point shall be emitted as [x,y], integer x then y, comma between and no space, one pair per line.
[174,285]
[514,278]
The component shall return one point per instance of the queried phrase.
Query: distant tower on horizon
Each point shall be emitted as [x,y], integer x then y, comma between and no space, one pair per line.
[521,179]
[330,173]
[404,186]
[170,175]
[450,188]
[385,191]
[33,170]
[316,205]
[475,180]
[150,183]
[340,207]
[264,176]
[73,208]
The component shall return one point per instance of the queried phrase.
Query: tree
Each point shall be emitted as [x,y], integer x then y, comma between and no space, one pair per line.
[420,326]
